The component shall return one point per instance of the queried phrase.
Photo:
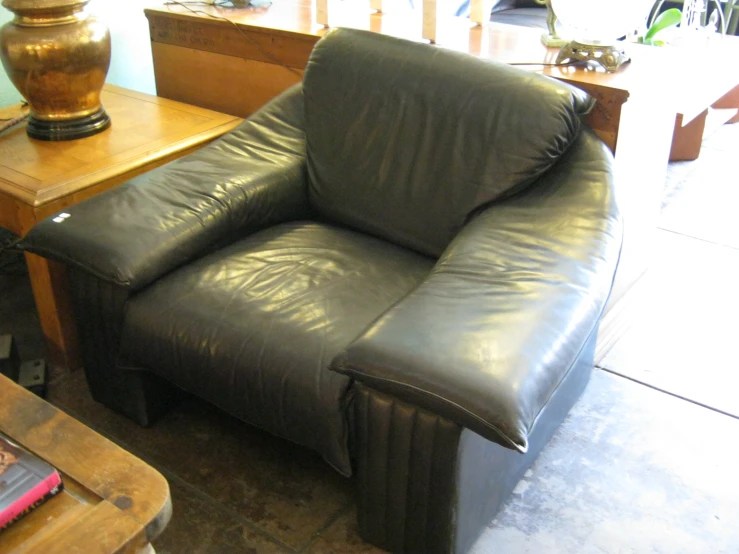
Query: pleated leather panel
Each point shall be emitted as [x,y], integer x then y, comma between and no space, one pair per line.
[98,309]
[406,468]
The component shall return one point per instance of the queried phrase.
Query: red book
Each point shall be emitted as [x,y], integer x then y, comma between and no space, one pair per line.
[26,481]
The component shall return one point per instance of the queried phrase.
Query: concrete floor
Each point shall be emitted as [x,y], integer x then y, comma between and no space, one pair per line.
[645,463]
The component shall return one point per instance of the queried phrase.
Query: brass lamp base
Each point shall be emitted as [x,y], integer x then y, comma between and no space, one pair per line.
[70,129]
[610,57]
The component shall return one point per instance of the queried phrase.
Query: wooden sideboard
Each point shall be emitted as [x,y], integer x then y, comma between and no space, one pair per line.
[234,61]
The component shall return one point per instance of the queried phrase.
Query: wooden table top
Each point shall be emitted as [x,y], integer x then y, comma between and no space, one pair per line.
[684,79]
[111,499]
[144,129]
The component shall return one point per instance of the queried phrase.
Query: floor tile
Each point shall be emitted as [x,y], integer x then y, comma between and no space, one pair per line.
[631,470]
[200,526]
[723,138]
[684,340]
[285,490]
[703,205]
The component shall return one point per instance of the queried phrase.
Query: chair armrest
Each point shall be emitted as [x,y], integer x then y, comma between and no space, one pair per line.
[490,334]
[251,178]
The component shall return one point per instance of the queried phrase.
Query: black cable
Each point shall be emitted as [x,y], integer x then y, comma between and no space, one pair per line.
[15,260]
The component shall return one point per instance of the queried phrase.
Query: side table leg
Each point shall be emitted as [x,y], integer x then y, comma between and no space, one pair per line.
[686,141]
[51,292]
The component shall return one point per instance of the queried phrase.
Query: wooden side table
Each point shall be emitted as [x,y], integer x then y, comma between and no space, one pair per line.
[111,502]
[38,179]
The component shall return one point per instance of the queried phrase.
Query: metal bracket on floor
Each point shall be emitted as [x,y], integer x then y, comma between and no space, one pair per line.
[30,375]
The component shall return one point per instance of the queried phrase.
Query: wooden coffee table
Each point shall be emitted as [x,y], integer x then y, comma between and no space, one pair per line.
[112,501]
[38,179]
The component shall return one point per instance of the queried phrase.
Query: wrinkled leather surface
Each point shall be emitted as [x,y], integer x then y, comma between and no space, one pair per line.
[251,178]
[253,327]
[488,337]
[410,151]
[402,150]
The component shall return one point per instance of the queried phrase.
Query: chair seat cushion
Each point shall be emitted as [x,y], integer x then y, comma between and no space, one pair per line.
[253,327]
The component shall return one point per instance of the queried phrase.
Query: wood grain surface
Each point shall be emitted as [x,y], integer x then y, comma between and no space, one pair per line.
[112,502]
[144,129]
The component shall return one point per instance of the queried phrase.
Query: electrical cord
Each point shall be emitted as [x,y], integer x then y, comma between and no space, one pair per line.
[11,264]
[7,123]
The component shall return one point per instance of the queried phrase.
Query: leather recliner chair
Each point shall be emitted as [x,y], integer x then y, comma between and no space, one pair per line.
[400,263]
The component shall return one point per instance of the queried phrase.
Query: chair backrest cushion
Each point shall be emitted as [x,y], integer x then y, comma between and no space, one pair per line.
[407,141]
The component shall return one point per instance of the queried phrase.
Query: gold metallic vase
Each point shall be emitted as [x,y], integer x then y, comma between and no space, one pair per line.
[57,56]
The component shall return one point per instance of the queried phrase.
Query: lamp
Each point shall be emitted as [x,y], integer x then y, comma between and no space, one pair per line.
[57,56]
[596,26]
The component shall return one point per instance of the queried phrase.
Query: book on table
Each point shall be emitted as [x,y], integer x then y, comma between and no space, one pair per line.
[26,481]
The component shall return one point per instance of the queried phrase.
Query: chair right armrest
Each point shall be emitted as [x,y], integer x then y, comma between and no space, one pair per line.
[487,338]
[251,178]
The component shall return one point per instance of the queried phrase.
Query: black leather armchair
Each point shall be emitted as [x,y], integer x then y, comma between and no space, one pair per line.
[400,264]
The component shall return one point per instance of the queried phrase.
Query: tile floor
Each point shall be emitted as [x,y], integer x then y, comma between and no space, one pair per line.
[645,463]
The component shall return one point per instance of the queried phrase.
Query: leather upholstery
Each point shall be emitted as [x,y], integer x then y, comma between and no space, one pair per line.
[253,326]
[249,179]
[445,141]
[426,484]
[438,230]
[507,308]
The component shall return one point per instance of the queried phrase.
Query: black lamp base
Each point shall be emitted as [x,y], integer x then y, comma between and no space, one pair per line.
[70,129]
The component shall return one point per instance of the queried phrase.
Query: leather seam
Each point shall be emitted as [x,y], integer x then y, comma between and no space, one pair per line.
[362,377]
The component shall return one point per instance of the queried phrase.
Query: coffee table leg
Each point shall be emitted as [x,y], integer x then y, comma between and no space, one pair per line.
[51,291]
